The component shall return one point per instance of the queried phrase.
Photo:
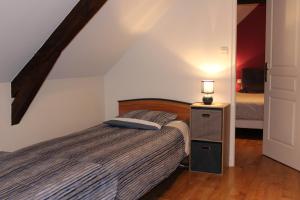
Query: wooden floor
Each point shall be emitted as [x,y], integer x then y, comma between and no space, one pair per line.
[254,177]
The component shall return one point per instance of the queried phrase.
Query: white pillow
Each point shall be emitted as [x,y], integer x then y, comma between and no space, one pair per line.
[133,123]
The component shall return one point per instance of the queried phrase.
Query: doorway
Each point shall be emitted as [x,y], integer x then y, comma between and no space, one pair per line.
[281,134]
[250,72]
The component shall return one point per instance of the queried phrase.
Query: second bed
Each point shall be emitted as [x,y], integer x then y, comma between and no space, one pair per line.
[250,110]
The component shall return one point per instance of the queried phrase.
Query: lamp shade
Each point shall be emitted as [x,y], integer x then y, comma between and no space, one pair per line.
[208,86]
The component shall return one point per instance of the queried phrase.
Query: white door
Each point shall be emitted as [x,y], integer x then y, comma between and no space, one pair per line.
[282,100]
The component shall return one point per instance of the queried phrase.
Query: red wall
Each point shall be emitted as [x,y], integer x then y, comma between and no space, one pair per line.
[251,40]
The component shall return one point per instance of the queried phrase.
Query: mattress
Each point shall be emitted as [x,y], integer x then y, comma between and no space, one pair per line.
[102,162]
[250,106]
[185,130]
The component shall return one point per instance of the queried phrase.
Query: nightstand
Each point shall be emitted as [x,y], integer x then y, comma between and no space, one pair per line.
[210,125]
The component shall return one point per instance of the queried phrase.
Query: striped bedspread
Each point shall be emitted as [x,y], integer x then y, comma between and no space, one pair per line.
[98,163]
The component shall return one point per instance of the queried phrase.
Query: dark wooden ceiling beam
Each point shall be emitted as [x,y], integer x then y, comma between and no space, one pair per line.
[27,83]
[28,92]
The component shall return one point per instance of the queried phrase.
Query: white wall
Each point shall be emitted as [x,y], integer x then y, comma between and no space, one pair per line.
[61,107]
[170,61]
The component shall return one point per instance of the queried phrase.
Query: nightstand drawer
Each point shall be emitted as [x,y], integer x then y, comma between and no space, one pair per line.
[206,122]
[206,156]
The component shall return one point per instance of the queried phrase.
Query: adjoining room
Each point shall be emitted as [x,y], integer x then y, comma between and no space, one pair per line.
[250,76]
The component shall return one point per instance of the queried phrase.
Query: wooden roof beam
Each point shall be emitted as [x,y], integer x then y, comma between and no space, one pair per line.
[28,81]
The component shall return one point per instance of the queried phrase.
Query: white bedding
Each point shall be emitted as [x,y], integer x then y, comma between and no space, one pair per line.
[250,106]
[184,128]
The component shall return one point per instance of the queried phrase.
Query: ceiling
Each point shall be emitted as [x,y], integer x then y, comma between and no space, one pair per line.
[243,10]
[26,25]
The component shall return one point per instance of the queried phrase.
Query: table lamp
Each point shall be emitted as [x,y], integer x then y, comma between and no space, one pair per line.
[207,90]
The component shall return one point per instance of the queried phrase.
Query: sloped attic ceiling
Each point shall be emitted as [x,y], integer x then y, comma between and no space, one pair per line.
[25,26]
[95,49]
[243,10]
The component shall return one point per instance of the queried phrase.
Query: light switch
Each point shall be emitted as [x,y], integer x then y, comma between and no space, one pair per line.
[224,50]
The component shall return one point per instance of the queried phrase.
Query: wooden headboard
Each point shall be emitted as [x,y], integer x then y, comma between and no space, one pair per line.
[182,109]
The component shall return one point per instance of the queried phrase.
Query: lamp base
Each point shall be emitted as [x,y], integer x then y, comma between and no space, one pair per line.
[207,100]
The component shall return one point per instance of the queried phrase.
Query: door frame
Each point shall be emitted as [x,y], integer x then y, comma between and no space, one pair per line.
[233,84]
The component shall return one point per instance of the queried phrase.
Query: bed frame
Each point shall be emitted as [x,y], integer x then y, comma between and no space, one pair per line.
[182,109]
[251,124]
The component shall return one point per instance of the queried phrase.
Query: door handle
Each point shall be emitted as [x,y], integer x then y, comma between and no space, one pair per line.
[206,148]
[266,72]
[206,115]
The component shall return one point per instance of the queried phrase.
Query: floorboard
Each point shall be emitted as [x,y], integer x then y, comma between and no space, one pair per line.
[255,177]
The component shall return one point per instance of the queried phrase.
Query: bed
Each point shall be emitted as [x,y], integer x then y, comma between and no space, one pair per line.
[250,100]
[102,162]
[250,110]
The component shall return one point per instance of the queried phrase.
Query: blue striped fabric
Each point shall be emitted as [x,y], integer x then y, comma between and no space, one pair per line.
[102,162]
[2,154]
[159,117]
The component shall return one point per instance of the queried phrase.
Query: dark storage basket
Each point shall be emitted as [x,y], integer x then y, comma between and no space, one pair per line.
[206,157]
